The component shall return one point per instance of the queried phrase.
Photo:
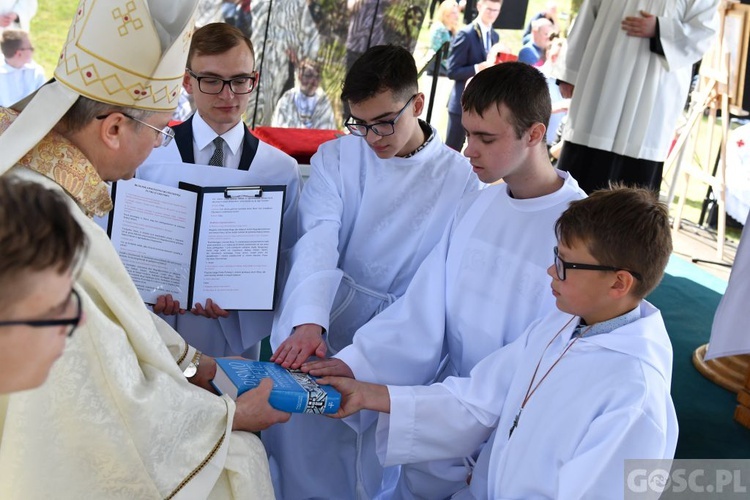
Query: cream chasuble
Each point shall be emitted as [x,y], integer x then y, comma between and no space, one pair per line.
[117,418]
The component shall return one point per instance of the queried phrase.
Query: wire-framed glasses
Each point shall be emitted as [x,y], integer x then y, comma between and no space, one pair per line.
[70,323]
[214,85]
[382,129]
[166,132]
[561,266]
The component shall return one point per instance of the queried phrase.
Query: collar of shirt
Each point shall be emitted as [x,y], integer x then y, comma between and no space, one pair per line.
[484,29]
[609,325]
[427,129]
[204,135]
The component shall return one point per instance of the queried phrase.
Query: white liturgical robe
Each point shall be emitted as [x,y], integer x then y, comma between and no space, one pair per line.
[366,224]
[606,401]
[478,290]
[627,99]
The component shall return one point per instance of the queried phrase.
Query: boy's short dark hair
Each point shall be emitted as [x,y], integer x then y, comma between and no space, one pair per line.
[216,38]
[381,68]
[522,88]
[11,40]
[622,227]
[37,232]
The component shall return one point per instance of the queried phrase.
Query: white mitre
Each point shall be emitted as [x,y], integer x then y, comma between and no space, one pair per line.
[129,53]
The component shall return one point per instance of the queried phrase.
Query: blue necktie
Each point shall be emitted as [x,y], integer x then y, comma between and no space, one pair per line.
[488,43]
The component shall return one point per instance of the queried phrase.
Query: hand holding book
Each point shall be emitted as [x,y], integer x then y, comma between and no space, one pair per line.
[254,413]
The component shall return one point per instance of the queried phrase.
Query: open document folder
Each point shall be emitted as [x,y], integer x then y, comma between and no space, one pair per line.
[198,242]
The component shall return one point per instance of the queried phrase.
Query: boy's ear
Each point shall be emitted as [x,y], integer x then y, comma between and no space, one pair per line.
[419,104]
[537,133]
[623,284]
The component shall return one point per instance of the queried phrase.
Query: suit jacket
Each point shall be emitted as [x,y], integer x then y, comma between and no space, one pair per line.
[467,49]
[183,137]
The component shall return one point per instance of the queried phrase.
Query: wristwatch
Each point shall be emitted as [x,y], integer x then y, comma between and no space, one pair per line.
[192,368]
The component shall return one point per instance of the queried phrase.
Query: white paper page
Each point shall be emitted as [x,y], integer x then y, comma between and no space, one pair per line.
[152,231]
[238,249]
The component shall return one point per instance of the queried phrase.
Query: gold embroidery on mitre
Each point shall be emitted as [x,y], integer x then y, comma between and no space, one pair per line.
[127,19]
[94,63]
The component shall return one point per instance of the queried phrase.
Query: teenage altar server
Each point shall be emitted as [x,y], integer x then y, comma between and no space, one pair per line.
[221,76]
[126,413]
[375,204]
[40,252]
[628,67]
[485,281]
[583,389]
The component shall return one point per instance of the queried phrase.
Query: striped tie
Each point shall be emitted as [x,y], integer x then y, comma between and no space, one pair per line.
[217,159]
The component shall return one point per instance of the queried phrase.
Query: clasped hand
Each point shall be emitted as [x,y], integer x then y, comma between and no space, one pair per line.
[165,304]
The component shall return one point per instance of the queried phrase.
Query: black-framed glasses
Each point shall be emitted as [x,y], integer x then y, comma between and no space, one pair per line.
[70,323]
[166,132]
[561,266]
[382,129]
[214,85]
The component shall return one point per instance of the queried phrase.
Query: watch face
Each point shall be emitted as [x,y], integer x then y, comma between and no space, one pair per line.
[190,371]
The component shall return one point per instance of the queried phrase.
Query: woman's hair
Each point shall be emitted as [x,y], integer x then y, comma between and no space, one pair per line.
[443,12]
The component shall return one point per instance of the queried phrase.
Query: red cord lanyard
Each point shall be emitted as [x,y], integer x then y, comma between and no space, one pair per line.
[530,392]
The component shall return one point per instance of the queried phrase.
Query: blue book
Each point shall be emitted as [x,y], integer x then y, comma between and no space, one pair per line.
[293,391]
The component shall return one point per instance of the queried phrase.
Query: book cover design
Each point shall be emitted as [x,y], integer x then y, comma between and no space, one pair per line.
[293,391]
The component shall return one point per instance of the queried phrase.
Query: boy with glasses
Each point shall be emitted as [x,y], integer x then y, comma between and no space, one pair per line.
[19,74]
[485,281]
[583,390]
[41,245]
[375,204]
[220,75]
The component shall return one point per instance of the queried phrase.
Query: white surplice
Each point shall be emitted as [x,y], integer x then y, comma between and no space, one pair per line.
[729,329]
[478,290]
[116,418]
[606,401]
[241,330]
[627,99]
[366,224]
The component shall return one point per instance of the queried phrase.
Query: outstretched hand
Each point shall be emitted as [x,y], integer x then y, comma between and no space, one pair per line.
[327,368]
[356,396]
[305,341]
[642,27]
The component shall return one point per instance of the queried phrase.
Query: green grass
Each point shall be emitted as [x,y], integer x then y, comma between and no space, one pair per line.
[49,28]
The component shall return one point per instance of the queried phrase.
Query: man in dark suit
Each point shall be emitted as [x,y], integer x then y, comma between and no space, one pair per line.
[471,52]
[220,75]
